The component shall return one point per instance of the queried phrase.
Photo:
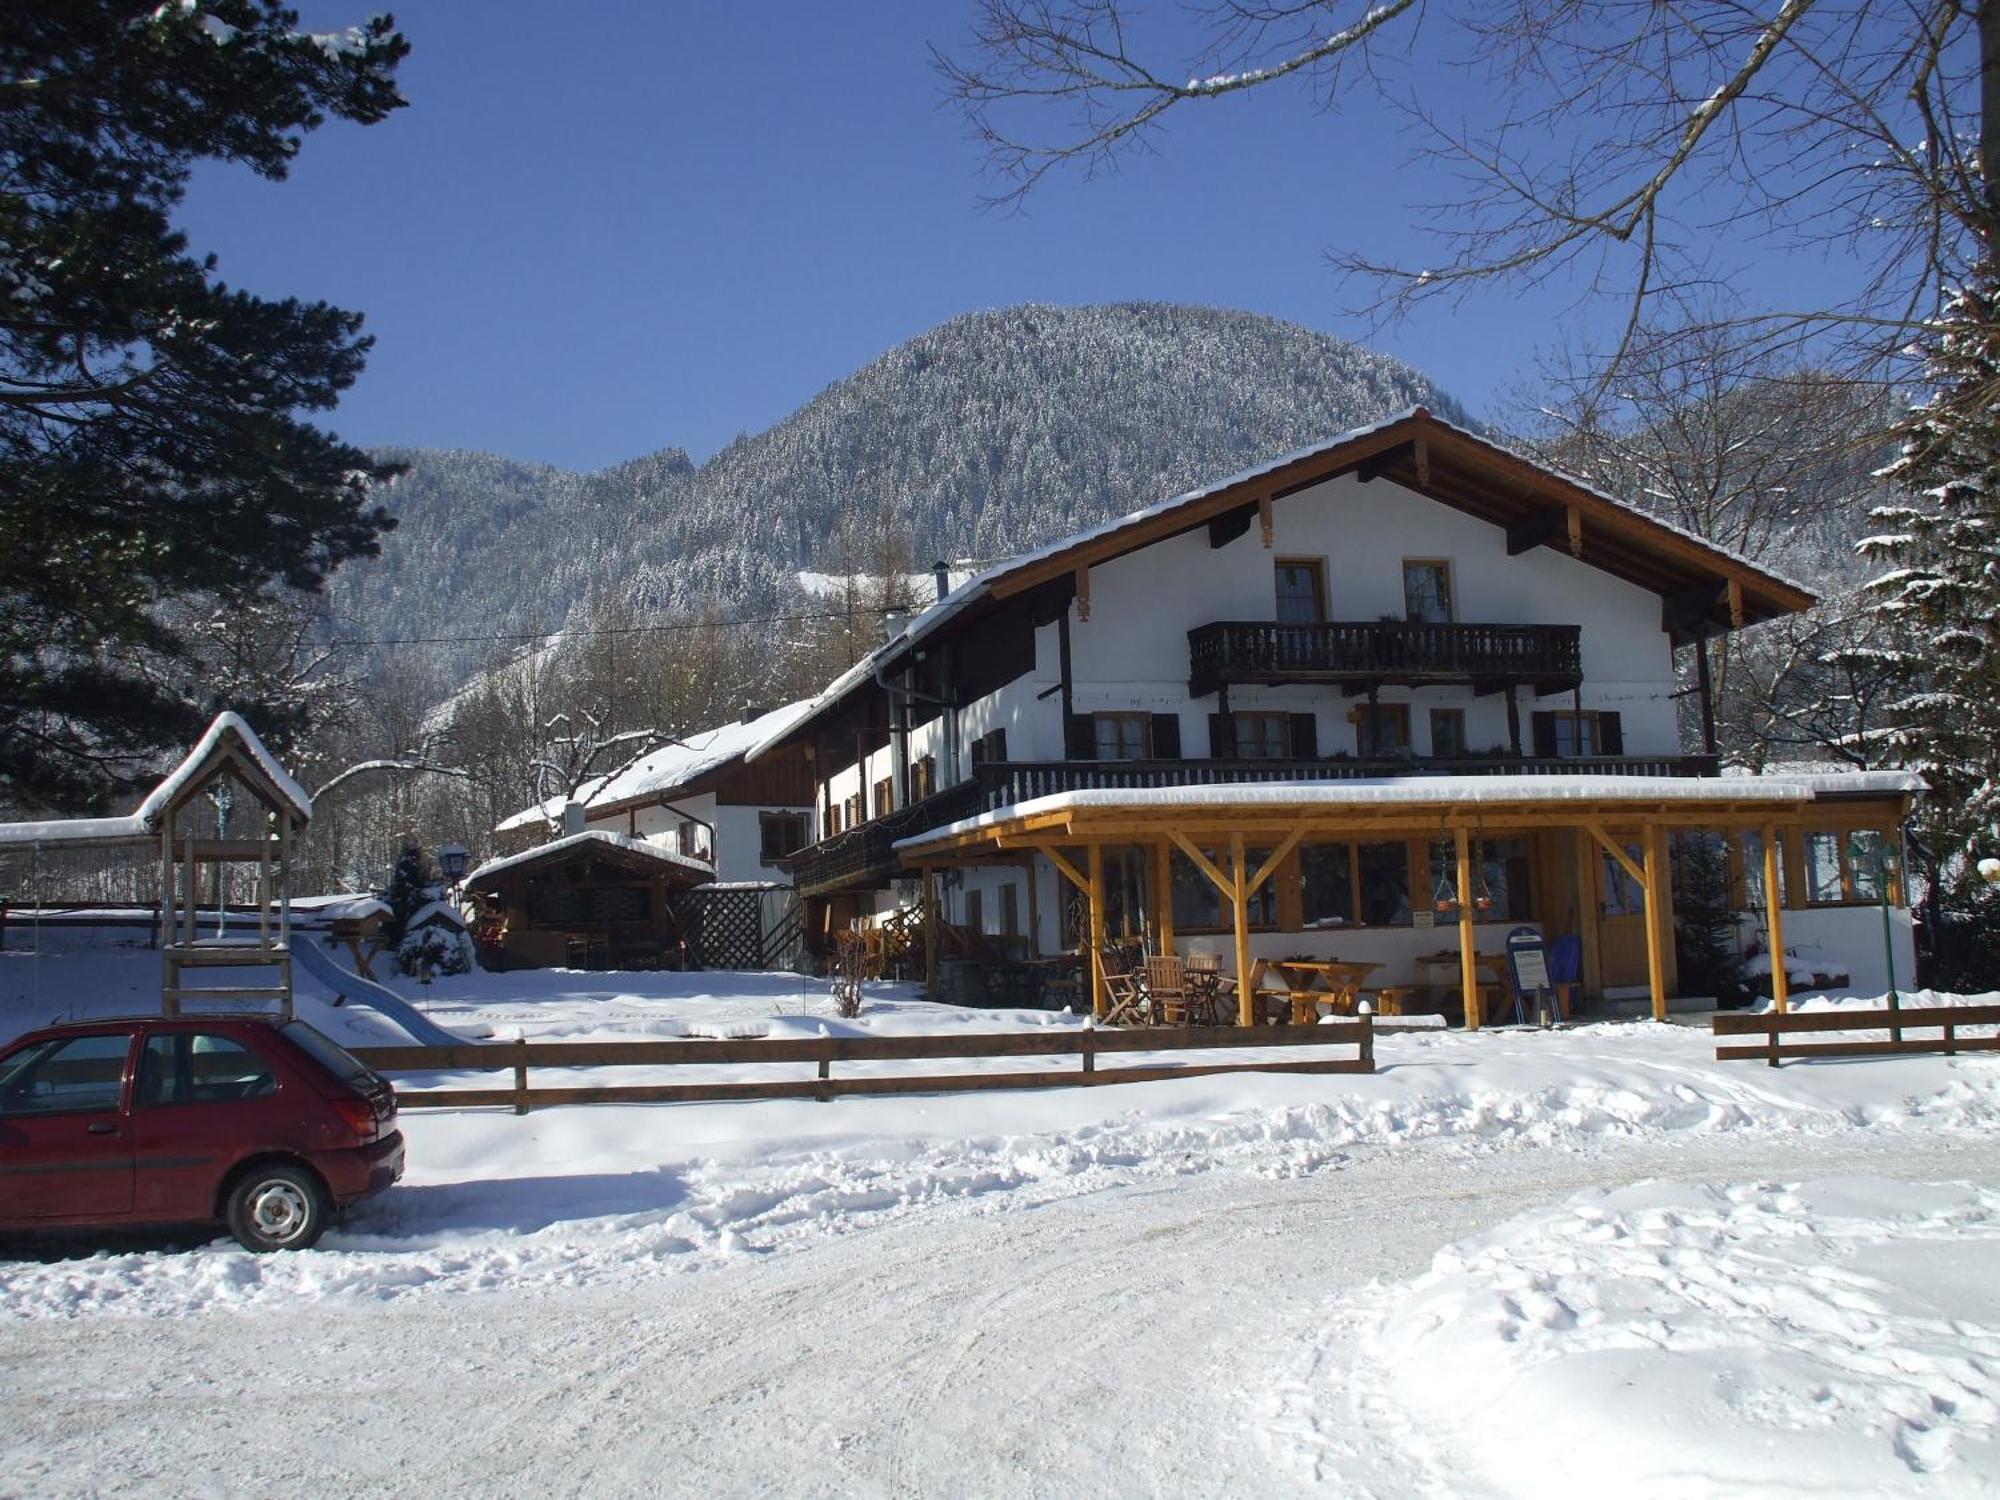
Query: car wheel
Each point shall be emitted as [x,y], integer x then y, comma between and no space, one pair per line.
[277,1208]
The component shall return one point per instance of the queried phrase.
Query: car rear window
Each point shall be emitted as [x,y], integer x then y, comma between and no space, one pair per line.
[336,1059]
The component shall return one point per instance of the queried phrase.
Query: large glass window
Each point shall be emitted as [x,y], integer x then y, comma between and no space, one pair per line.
[1865,854]
[1301,592]
[1823,867]
[1427,591]
[1385,884]
[1326,874]
[1198,904]
[69,1075]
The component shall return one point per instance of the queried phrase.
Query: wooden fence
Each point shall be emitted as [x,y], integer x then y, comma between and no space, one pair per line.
[1948,1021]
[1090,1043]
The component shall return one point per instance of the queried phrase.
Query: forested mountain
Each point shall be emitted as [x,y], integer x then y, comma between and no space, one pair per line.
[993,432]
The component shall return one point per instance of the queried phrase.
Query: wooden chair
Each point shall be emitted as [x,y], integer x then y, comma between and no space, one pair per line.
[1167,990]
[1205,983]
[1124,988]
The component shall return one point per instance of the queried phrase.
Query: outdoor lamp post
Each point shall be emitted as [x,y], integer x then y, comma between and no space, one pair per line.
[452,860]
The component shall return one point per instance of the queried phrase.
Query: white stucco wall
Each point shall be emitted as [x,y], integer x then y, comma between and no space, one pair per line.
[1132,653]
[738,834]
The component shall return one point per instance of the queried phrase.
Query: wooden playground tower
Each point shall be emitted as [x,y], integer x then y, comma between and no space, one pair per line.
[233,806]
[228,803]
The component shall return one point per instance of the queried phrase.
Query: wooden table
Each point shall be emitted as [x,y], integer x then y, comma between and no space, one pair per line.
[1305,982]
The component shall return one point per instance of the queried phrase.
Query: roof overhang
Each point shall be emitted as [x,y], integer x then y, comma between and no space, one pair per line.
[1487,806]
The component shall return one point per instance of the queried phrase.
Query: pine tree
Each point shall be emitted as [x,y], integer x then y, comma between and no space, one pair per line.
[1707,945]
[412,885]
[149,443]
[1941,595]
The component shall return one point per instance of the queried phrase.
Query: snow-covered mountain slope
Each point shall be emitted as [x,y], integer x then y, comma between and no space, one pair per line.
[994,432]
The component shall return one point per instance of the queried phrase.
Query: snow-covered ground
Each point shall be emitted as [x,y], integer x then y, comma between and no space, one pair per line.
[1511,1263]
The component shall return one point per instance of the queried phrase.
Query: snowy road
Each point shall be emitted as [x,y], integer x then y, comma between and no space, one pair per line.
[1189,1336]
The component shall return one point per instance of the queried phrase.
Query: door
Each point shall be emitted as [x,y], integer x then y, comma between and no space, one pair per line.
[1621,924]
[65,1149]
[200,1101]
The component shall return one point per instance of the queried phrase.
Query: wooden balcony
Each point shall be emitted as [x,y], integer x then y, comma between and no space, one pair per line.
[863,858]
[1359,654]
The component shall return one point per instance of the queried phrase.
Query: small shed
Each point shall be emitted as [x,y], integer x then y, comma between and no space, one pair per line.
[593,900]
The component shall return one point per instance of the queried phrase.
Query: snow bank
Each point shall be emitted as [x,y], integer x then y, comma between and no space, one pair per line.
[1835,1338]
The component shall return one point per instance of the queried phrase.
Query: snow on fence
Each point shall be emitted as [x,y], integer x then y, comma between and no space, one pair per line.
[1947,1020]
[1088,1042]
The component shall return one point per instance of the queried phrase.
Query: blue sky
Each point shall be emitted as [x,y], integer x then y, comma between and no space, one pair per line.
[602,230]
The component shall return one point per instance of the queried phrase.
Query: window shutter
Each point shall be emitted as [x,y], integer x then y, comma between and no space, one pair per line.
[1610,734]
[1221,737]
[1080,737]
[1545,733]
[1305,737]
[996,745]
[1166,736]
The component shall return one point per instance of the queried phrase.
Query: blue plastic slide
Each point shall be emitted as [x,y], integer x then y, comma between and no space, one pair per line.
[343,981]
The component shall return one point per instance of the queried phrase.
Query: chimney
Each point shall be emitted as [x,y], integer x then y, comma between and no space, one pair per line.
[942,572]
[572,818]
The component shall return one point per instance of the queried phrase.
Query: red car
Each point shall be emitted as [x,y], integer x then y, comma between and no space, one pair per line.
[261,1124]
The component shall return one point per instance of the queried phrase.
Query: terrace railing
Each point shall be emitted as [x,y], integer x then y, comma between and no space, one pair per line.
[1413,652]
[864,857]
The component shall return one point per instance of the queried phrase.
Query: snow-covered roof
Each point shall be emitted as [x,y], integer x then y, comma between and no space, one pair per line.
[145,820]
[1485,791]
[620,841]
[1827,780]
[435,911]
[662,772]
[349,906]
[922,625]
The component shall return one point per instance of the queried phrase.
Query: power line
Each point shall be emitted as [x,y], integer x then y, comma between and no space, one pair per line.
[498,637]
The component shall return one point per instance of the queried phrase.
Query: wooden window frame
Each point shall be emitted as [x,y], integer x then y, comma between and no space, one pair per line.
[1266,717]
[1450,588]
[1362,749]
[883,799]
[1464,744]
[1127,717]
[766,821]
[1316,566]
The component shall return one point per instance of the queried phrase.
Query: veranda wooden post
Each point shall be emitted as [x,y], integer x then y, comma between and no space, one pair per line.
[1100,998]
[1468,947]
[1774,923]
[1163,866]
[1239,879]
[1655,865]
[930,930]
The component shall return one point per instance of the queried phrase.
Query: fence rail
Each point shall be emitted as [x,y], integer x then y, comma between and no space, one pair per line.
[1088,1043]
[1947,1020]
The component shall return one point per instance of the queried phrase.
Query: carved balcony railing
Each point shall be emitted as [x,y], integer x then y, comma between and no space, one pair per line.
[1358,653]
[863,858]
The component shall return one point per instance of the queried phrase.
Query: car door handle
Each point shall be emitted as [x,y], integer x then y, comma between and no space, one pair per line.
[102,1129]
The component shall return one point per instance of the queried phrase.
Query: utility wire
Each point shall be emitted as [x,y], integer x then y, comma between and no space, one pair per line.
[348,643]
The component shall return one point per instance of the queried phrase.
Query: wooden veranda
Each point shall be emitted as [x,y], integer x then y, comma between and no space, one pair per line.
[1238,837]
